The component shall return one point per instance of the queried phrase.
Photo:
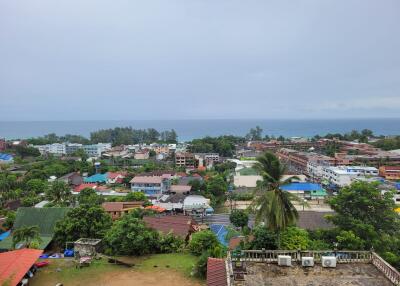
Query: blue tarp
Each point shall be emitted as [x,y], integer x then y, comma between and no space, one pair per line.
[220,231]
[97,178]
[302,187]
[6,157]
[4,235]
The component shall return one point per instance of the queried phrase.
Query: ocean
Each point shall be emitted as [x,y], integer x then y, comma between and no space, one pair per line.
[189,129]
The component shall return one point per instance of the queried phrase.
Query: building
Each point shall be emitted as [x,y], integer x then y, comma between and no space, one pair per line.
[185,159]
[150,185]
[95,150]
[3,144]
[118,209]
[309,191]
[206,159]
[344,176]
[55,149]
[142,155]
[72,179]
[216,272]
[282,267]
[196,204]
[72,148]
[44,218]
[14,265]
[390,172]
[178,225]
[249,181]
[180,189]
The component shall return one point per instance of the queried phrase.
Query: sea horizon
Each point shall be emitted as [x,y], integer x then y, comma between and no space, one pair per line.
[188,129]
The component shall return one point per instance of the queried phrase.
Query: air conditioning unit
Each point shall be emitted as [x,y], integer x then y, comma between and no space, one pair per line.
[284,260]
[307,261]
[328,261]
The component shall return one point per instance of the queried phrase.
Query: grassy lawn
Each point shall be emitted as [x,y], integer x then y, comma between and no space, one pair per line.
[176,266]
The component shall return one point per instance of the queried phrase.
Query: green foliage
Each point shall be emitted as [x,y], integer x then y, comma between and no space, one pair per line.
[226,166]
[59,193]
[24,152]
[83,221]
[10,219]
[202,241]
[27,235]
[223,145]
[29,201]
[200,269]
[242,196]
[348,240]
[88,196]
[388,143]
[239,218]
[255,134]
[135,197]
[217,186]
[264,238]
[197,185]
[294,238]
[130,236]
[36,186]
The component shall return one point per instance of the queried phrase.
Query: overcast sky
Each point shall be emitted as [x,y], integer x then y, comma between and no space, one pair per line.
[115,59]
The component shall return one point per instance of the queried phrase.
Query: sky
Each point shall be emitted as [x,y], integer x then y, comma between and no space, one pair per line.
[199,59]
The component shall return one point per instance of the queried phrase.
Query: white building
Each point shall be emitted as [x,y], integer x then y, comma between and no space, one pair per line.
[73,147]
[196,204]
[345,175]
[95,150]
[55,148]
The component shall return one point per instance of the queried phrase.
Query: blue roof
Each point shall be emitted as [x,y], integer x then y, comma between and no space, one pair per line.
[220,231]
[302,187]
[97,178]
[397,186]
[4,235]
[5,157]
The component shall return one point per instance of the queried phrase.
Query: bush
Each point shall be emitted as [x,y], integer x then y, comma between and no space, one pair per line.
[294,238]
[170,243]
[203,241]
[264,238]
[239,218]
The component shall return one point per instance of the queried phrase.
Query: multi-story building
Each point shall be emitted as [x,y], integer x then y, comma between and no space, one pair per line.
[390,172]
[150,185]
[95,150]
[55,148]
[206,159]
[185,159]
[73,147]
[345,175]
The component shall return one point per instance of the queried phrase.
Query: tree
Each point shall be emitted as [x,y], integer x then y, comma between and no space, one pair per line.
[88,196]
[36,186]
[273,205]
[130,236]
[59,193]
[239,218]
[255,134]
[217,186]
[83,221]
[202,241]
[27,151]
[294,238]
[264,238]
[135,197]
[27,235]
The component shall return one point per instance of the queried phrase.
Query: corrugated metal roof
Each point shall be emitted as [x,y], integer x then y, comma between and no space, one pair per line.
[302,187]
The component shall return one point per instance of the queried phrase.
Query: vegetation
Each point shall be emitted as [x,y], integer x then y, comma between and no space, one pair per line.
[89,197]
[29,235]
[202,241]
[223,145]
[59,193]
[239,218]
[388,143]
[82,221]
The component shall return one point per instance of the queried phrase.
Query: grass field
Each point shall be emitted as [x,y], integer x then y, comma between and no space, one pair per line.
[160,269]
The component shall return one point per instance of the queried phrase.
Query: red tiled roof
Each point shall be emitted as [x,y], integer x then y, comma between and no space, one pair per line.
[216,272]
[179,225]
[15,264]
[113,175]
[84,186]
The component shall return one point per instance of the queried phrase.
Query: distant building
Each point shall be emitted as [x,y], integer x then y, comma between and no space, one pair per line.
[185,159]
[306,190]
[95,150]
[196,204]
[55,149]
[390,172]
[142,155]
[118,209]
[344,176]
[179,225]
[72,179]
[72,147]
[3,144]
[150,185]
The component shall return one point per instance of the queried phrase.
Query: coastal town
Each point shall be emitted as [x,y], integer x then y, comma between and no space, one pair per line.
[210,211]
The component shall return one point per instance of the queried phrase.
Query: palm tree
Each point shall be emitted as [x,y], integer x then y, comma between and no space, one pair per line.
[27,235]
[273,206]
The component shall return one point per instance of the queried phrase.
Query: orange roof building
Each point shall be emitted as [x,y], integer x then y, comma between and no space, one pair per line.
[15,264]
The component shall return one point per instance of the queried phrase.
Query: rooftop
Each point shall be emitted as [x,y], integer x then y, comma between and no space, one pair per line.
[146,180]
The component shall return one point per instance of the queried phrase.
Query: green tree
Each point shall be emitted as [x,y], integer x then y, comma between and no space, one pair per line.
[83,221]
[264,238]
[239,218]
[274,206]
[135,197]
[36,186]
[88,196]
[255,134]
[294,238]
[130,236]
[202,241]
[27,235]
[59,193]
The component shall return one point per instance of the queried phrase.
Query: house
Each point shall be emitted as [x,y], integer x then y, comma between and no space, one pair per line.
[14,265]
[217,272]
[150,185]
[306,190]
[118,209]
[142,155]
[44,218]
[97,178]
[345,175]
[196,204]
[185,159]
[95,150]
[72,179]
[390,172]
[115,177]
[180,189]
[179,225]
[79,188]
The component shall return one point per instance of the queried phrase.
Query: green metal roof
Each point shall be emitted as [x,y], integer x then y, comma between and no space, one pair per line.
[45,218]
[7,243]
